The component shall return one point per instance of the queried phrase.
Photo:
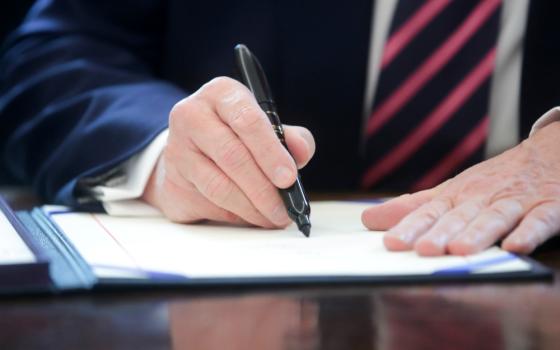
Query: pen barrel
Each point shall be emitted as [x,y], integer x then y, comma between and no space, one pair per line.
[270,109]
[276,126]
[294,197]
[253,77]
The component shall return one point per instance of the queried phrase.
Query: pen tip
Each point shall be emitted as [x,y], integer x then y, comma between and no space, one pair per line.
[303,224]
[305,229]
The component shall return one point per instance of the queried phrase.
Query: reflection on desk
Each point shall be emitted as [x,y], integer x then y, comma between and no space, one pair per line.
[490,316]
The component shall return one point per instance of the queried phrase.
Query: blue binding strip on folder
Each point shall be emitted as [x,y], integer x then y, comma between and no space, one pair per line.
[58,211]
[472,267]
[144,274]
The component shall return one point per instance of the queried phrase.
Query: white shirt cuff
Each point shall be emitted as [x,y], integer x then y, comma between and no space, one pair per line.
[130,207]
[551,116]
[122,199]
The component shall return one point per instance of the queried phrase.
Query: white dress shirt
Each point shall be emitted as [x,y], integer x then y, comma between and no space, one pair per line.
[504,115]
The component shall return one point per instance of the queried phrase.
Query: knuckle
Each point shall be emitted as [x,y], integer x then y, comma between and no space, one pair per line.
[547,217]
[246,117]
[271,147]
[498,213]
[466,212]
[185,113]
[514,188]
[264,195]
[458,217]
[222,81]
[233,154]
[218,188]
[217,85]
[506,209]
[271,151]
[444,203]
[434,209]
[499,222]
[431,215]
[175,114]
[551,189]
[180,107]
[474,183]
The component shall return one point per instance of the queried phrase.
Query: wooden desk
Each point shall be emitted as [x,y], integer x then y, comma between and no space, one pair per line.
[481,316]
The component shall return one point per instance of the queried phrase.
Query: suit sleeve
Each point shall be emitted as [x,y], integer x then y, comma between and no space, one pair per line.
[80,91]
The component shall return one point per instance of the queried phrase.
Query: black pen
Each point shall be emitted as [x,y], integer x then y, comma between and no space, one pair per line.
[254,78]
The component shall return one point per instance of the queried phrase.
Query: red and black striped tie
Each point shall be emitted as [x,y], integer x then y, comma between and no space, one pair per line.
[430,112]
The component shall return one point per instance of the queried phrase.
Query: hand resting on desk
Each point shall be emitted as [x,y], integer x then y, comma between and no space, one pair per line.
[514,196]
[223,161]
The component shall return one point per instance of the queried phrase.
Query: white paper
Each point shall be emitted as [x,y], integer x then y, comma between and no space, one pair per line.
[339,246]
[13,249]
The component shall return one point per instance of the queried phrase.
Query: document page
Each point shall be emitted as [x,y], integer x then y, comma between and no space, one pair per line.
[339,245]
[13,249]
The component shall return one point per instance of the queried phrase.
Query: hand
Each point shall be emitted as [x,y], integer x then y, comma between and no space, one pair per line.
[514,196]
[223,161]
[255,322]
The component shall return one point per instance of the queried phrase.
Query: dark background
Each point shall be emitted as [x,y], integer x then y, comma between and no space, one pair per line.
[11,14]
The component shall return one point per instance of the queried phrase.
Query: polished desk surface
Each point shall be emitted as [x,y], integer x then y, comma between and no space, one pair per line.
[451,316]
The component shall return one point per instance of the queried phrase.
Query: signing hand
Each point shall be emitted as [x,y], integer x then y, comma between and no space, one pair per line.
[223,161]
[515,196]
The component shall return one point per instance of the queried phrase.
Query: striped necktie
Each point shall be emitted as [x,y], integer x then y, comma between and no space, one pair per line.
[430,112]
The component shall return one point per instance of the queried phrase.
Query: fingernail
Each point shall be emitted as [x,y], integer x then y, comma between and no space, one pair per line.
[401,236]
[279,215]
[405,238]
[519,245]
[440,241]
[462,246]
[283,177]
[395,243]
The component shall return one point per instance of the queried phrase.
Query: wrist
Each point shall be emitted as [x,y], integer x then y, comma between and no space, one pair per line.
[151,190]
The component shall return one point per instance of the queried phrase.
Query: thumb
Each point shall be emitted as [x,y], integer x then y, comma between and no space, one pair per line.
[300,143]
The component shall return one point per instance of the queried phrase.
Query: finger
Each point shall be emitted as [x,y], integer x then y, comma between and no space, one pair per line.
[435,241]
[301,144]
[237,108]
[216,214]
[489,226]
[179,200]
[188,205]
[229,154]
[417,223]
[541,223]
[219,189]
[386,215]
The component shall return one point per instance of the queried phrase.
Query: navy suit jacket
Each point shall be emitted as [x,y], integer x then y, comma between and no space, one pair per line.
[87,84]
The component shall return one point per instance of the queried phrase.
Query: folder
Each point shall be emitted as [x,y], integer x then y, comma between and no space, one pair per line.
[54,249]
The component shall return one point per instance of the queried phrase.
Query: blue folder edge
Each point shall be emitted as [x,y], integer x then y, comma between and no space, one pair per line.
[60,268]
[29,277]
